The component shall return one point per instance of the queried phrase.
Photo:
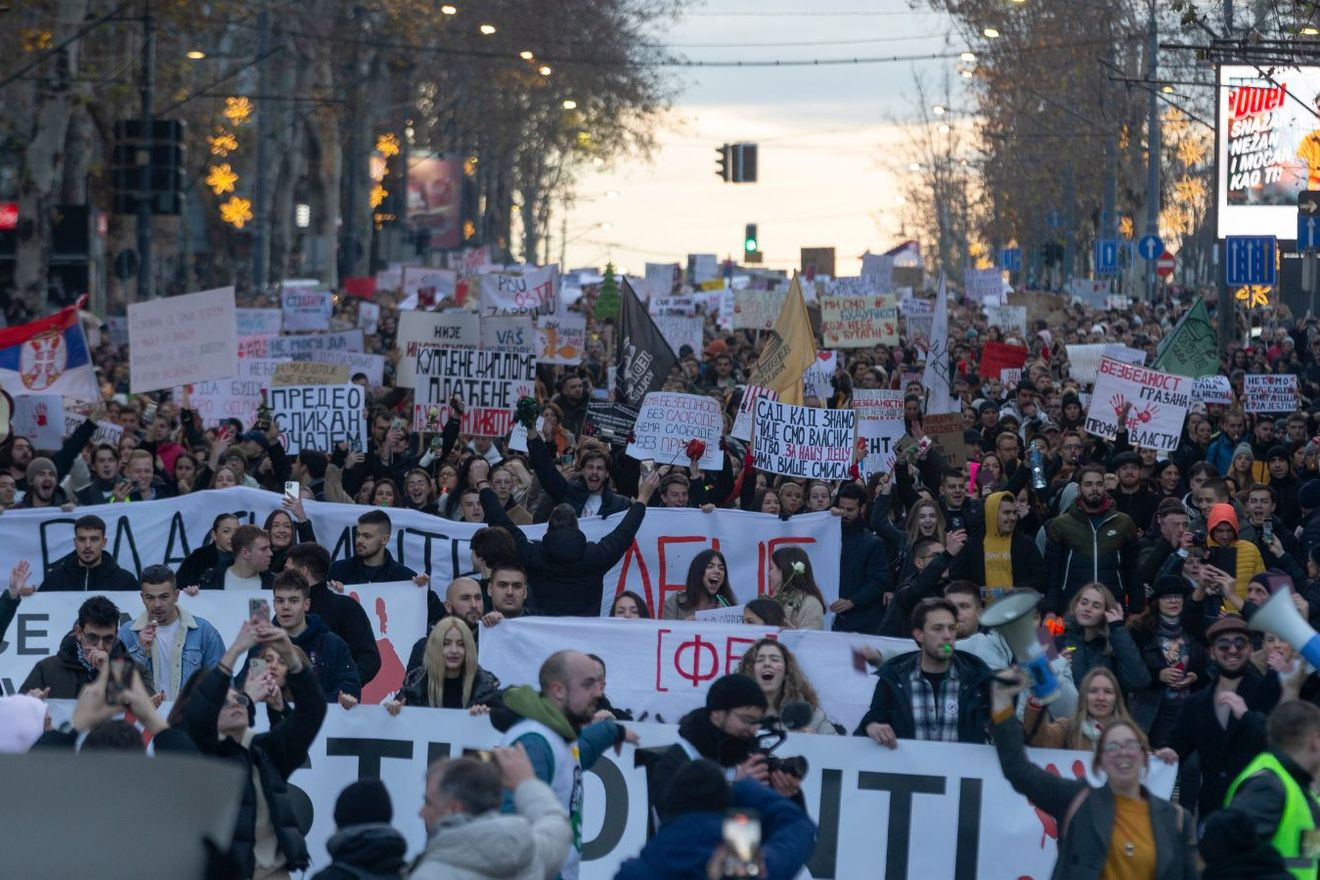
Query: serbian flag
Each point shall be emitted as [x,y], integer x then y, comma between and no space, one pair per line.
[48,356]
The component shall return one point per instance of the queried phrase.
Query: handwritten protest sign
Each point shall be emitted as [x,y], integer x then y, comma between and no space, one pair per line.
[1157,402]
[1084,360]
[947,429]
[881,268]
[995,356]
[561,339]
[800,441]
[181,339]
[372,365]
[1266,393]
[238,397]
[756,309]
[679,332]
[307,309]
[1010,319]
[728,614]
[305,347]
[984,286]
[1213,389]
[449,329]
[319,416]
[858,321]
[880,424]
[1010,376]
[530,294]
[40,419]
[667,422]
[368,317]
[488,382]
[309,373]
[672,306]
[259,322]
[742,423]
[511,333]
[816,378]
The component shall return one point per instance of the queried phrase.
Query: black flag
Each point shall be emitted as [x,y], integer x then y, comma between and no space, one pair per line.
[645,359]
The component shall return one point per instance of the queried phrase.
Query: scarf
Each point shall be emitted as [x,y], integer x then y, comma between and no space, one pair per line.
[711,742]
[998,548]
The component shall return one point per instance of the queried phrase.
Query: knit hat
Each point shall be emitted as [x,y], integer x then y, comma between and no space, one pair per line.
[1278,452]
[39,465]
[1125,458]
[1229,623]
[1169,585]
[1272,580]
[698,786]
[1244,448]
[365,802]
[1309,495]
[733,692]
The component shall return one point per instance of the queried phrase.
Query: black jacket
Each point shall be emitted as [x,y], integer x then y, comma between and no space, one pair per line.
[66,675]
[1028,567]
[365,852]
[333,662]
[352,571]
[347,619]
[1238,839]
[863,578]
[8,608]
[197,563]
[561,490]
[892,701]
[416,688]
[275,754]
[67,574]
[565,571]
[897,621]
[1117,652]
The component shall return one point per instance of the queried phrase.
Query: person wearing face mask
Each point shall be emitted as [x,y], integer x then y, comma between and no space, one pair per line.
[1089,542]
[1115,830]
[772,666]
[997,555]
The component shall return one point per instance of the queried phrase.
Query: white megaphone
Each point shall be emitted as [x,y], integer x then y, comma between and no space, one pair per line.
[1280,616]
[1012,617]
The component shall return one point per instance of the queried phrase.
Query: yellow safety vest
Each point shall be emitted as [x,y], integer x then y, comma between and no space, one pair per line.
[1296,819]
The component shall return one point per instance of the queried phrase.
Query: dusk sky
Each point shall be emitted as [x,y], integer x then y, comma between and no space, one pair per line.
[830,137]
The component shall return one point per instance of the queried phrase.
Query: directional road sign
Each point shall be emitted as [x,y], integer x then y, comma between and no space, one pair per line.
[1010,259]
[1308,220]
[1251,259]
[1106,256]
[1150,247]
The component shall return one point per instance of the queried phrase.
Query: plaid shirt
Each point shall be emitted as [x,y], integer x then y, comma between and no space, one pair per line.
[936,715]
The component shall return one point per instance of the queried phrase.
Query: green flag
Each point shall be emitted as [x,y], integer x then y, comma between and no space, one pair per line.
[1191,349]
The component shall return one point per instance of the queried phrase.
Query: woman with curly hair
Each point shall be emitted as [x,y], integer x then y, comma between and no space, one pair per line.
[773,666]
[707,587]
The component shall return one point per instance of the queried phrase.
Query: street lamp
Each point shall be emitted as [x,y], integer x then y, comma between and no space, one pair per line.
[991,33]
[544,70]
[448,10]
[487,30]
[570,104]
[196,55]
[968,56]
[526,55]
[938,110]
[1310,31]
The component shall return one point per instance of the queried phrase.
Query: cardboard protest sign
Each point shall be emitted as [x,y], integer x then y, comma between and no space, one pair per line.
[679,332]
[666,422]
[181,339]
[880,424]
[742,423]
[450,329]
[320,416]
[947,430]
[307,309]
[511,333]
[1213,389]
[309,373]
[561,339]
[1267,393]
[858,321]
[1158,404]
[800,441]
[881,268]
[995,356]
[1010,319]
[488,382]
[661,278]
[756,309]
[368,317]
[259,322]
[529,294]
[40,419]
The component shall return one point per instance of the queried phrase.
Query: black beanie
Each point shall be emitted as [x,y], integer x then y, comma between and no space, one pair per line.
[733,692]
[365,802]
[698,786]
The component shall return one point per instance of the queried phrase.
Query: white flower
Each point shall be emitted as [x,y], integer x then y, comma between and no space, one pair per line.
[799,567]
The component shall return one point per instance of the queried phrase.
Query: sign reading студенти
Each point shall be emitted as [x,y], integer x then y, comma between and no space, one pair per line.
[1155,405]
[800,441]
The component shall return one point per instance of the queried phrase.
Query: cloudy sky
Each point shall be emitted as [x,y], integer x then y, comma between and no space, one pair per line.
[831,138]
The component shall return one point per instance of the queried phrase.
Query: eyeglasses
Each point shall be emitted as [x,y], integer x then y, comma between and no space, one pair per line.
[240,699]
[1237,644]
[94,639]
[1131,747]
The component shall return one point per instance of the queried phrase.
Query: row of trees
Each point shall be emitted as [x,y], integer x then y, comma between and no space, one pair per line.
[322,84]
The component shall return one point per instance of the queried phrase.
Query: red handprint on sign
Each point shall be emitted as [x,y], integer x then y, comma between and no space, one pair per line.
[1050,828]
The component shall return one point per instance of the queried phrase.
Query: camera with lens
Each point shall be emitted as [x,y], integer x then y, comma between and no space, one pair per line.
[1198,537]
[773,732]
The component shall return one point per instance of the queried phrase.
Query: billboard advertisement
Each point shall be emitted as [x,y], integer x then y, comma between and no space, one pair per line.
[435,187]
[1268,138]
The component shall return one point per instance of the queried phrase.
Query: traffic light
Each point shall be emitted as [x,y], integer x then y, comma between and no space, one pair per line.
[163,151]
[724,165]
[744,163]
[750,244]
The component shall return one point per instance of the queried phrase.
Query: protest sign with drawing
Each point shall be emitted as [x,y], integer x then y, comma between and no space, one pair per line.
[181,339]
[880,424]
[756,309]
[320,416]
[561,339]
[1271,393]
[742,423]
[668,422]
[997,356]
[40,419]
[1155,405]
[858,321]
[488,382]
[800,441]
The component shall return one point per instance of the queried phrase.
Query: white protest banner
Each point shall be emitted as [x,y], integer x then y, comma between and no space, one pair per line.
[1010,319]
[304,347]
[238,397]
[309,373]
[1010,376]
[726,614]
[1093,293]
[880,424]
[40,419]
[816,378]
[667,422]
[756,309]
[530,294]
[319,416]
[660,278]
[510,333]
[672,306]
[858,321]
[368,317]
[372,365]
[561,339]
[742,423]
[179,340]
[259,322]
[800,441]
[983,286]
[425,285]
[1213,389]
[679,332]
[488,382]
[881,268]
[396,610]
[456,328]
[1268,393]
[1157,404]
[1120,352]
[1084,361]
[307,309]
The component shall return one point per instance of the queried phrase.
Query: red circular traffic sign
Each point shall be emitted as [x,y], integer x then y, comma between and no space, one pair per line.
[1165,264]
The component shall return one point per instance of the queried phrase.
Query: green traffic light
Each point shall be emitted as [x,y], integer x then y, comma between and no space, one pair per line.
[749,244]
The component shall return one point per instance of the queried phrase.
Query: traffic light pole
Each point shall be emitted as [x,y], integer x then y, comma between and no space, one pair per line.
[261,215]
[1153,149]
[1225,313]
[145,290]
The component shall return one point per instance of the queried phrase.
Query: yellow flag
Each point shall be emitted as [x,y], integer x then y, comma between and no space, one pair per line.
[789,352]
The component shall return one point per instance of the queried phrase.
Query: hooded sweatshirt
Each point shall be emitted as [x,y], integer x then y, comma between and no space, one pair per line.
[1238,558]
[998,546]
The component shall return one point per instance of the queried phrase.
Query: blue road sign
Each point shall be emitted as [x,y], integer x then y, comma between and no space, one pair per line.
[1054,220]
[1150,247]
[1250,259]
[1010,259]
[1308,232]
[1106,256]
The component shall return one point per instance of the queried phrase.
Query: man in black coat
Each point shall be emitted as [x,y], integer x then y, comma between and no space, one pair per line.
[345,617]
[566,571]
[590,494]
[863,567]
[373,564]
[88,568]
